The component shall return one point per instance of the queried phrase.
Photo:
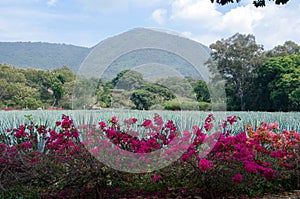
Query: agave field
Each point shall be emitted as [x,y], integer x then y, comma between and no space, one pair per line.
[185,119]
[148,154]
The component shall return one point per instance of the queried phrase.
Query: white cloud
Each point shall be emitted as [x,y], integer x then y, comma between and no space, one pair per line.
[279,24]
[51,2]
[201,11]
[241,19]
[159,15]
[271,25]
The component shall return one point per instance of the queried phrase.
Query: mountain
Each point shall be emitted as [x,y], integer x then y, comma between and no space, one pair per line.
[155,53]
[147,50]
[42,55]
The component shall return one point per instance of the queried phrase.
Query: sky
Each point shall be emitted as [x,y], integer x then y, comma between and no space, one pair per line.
[88,22]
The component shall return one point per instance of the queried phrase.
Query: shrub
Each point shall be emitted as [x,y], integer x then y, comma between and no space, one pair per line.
[204,106]
[56,163]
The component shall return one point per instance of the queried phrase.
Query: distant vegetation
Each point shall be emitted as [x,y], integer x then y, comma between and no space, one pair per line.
[41,55]
[256,80]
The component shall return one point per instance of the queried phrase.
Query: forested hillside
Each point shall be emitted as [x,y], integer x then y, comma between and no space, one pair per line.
[41,55]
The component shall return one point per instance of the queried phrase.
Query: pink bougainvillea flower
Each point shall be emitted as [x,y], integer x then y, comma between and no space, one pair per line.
[231,119]
[27,145]
[208,126]
[130,121]
[114,120]
[102,125]
[156,177]
[224,124]
[147,123]
[158,120]
[204,165]
[273,126]
[66,123]
[269,173]
[237,178]
[210,118]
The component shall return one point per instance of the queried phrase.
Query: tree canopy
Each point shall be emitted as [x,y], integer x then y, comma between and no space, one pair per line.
[235,59]
[256,3]
[257,80]
[278,80]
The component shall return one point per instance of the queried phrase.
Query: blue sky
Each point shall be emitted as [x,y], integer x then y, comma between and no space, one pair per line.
[87,22]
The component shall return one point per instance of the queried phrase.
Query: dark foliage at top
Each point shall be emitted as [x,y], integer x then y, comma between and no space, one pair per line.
[257,3]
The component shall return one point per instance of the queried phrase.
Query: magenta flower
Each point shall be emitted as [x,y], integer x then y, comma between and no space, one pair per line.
[156,177]
[66,123]
[269,173]
[114,120]
[274,126]
[130,121]
[208,126]
[204,164]
[102,125]
[231,119]
[158,120]
[237,178]
[27,145]
[147,123]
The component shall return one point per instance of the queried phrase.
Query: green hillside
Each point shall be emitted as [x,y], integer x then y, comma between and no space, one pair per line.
[42,55]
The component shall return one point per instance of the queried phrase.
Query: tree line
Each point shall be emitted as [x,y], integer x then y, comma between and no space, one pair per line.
[255,80]
[34,88]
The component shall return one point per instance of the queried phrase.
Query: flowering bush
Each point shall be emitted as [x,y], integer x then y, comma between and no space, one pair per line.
[210,161]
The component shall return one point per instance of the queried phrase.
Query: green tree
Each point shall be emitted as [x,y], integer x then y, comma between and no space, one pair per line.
[151,94]
[45,87]
[62,80]
[104,97]
[294,97]
[58,92]
[11,74]
[66,101]
[22,96]
[160,91]
[256,3]
[180,86]
[278,83]
[202,92]
[64,74]
[236,60]
[128,80]
[4,91]
[40,80]
[143,99]
[84,93]
[288,48]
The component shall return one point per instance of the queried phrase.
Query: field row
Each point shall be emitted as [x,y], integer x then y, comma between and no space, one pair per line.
[183,119]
